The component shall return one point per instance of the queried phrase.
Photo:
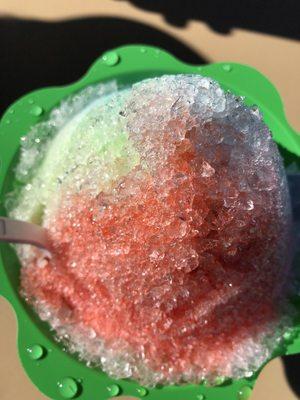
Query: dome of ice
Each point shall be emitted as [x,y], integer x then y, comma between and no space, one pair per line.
[169,214]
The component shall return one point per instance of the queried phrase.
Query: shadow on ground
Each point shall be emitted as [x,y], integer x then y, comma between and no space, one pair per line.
[275,17]
[36,54]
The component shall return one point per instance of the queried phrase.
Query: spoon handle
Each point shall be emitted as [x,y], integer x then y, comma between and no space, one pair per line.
[15,231]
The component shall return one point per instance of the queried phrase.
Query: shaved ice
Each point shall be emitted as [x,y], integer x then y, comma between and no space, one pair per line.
[168,211]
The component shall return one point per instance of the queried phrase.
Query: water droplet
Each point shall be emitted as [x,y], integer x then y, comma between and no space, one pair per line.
[7,121]
[227,67]
[114,390]
[36,111]
[111,58]
[11,111]
[30,101]
[143,50]
[244,393]
[142,391]
[219,380]
[36,352]
[287,335]
[68,388]
[199,69]
[200,397]
[157,53]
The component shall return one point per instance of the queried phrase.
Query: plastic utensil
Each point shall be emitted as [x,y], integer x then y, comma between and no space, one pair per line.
[126,65]
[15,231]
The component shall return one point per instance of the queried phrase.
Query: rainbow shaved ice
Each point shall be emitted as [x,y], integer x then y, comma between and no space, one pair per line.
[168,211]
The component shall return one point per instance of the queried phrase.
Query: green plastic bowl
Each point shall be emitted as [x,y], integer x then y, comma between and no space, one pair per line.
[56,373]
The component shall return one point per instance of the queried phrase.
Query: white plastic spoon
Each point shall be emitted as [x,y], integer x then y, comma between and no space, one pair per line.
[15,231]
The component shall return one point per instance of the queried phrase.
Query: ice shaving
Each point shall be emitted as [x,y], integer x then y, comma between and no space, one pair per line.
[168,211]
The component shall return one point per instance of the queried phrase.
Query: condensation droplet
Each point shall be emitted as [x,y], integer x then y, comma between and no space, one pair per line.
[68,388]
[114,390]
[287,335]
[244,393]
[142,391]
[143,50]
[227,67]
[219,380]
[36,111]
[30,101]
[36,352]
[11,111]
[111,58]
[200,397]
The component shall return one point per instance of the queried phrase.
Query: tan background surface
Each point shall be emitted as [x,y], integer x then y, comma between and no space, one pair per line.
[278,58]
